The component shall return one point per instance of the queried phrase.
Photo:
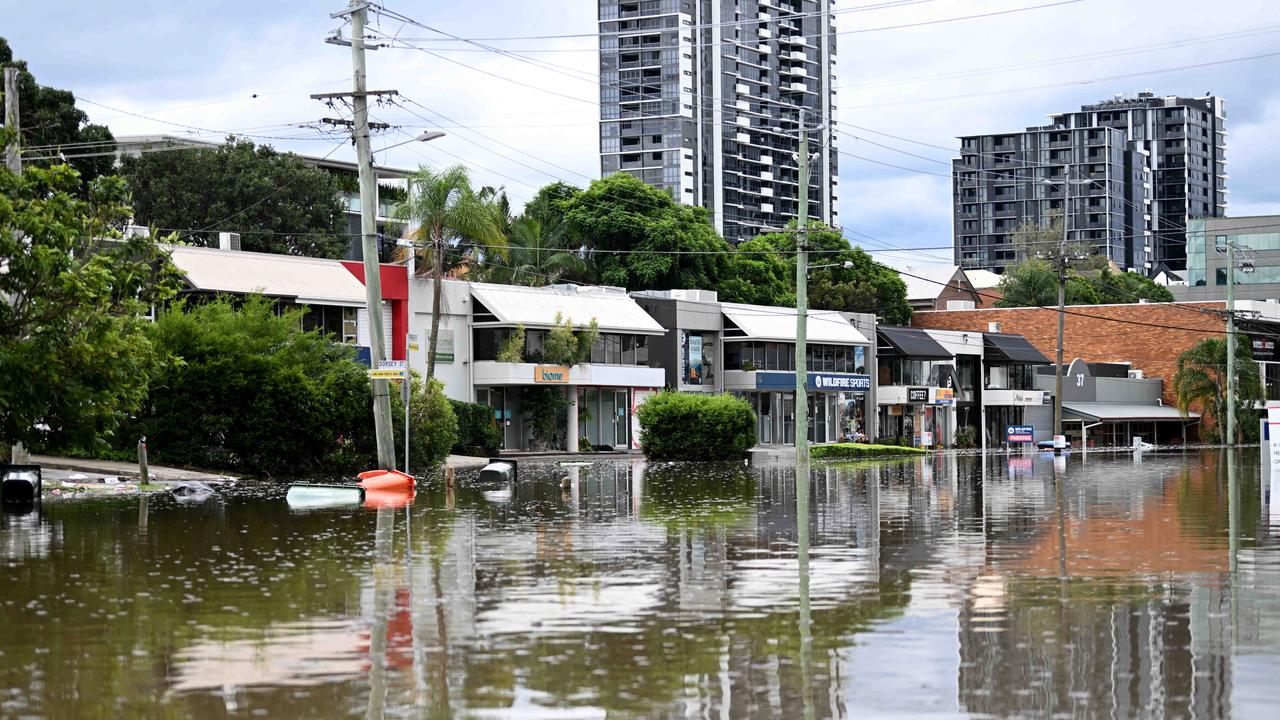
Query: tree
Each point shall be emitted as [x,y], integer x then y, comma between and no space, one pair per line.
[74,352]
[1201,379]
[1126,287]
[640,238]
[538,254]
[451,218]
[1034,282]
[277,202]
[52,125]
[759,275]
[865,286]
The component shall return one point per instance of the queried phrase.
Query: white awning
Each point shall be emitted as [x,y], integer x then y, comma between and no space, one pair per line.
[307,281]
[537,307]
[762,322]
[1119,412]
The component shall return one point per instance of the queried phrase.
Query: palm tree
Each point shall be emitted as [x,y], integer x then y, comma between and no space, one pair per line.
[449,215]
[1201,378]
[539,253]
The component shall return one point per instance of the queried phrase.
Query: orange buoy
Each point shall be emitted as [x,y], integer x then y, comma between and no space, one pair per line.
[385,480]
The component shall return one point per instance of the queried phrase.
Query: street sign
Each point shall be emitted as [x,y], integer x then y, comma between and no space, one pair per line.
[390,370]
[1014,434]
[413,342]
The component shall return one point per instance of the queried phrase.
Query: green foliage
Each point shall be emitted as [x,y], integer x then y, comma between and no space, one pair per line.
[49,120]
[478,433]
[277,202]
[512,351]
[1126,287]
[454,217]
[966,437]
[690,426]
[247,389]
[1201,379]
[1034,282]
[622,213]
[568,346]
[861,450]
[866,286]
[75,358]
[433,426]
[544,414]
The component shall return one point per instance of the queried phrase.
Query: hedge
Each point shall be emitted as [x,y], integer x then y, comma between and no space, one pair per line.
[689,426]
[477,433]
[861,450]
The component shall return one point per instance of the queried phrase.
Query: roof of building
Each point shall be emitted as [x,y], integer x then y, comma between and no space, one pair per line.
[928,281]
[308,281]
[1111,412]
[982,279]
[612,310]
[138,144]
[764,322]
[911,343]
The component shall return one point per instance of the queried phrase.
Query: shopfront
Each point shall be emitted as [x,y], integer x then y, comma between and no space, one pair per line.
[916,393]
[760,367]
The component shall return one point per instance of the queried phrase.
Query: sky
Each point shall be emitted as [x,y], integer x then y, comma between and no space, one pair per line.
[527,117]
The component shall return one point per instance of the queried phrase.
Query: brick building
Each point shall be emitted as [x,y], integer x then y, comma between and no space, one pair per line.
[1147,336]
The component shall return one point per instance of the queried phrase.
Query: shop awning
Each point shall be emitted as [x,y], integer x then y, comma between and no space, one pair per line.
[307,281]
[1012,348]
[762,322]
[613,311]
[1121,412]
[910,342]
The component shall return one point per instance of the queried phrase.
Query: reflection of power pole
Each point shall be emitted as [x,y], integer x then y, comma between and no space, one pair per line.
[360,126]
[11,120]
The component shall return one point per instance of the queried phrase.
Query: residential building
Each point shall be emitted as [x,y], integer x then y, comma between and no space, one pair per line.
[1258,238]
[393,182]
[701,98]
[1130,171]
[1001,182]
[933,287]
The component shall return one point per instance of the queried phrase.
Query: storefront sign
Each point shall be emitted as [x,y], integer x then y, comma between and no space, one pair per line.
[1264,347]
[917,395]
[556,374]
[694,374]
[1015,434]
[813,381]
[444,346]
[944,396]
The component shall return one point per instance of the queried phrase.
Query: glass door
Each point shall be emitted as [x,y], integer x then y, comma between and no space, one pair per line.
[788,401]
[761,403]
[620,418]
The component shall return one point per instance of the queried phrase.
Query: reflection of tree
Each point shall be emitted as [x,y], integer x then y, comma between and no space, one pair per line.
[698,494]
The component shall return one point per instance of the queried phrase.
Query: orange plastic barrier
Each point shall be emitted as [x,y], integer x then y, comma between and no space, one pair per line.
[385,480]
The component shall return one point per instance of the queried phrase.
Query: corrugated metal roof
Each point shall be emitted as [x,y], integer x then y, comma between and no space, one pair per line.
[1109,412]
[762,322]
[537,307]
[307,280]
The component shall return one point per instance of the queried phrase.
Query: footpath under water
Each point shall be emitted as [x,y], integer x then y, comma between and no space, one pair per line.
[936,587]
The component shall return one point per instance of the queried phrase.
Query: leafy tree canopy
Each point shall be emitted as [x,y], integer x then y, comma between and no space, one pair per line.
[277,202]
[1201,380]
[1035,282]
[49,120]
[635,228]
[866,286]
[74,352]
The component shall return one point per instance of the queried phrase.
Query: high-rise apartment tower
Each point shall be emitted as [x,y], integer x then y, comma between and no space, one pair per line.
[702,99]
[1131,171]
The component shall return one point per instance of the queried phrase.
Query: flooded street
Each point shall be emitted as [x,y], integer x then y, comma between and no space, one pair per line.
[945,587]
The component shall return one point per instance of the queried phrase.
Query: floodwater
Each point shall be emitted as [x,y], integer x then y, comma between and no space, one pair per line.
[947,587]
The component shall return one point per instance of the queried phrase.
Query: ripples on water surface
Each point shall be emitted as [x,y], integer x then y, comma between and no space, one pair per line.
[942,587]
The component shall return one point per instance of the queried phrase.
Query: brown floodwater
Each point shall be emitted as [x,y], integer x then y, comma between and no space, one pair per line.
[1112,587]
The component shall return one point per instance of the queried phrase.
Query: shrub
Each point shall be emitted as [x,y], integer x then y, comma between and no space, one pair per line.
[689,426]
[477,433]
[245,388]
[433,427]
[861,450]
[967,437]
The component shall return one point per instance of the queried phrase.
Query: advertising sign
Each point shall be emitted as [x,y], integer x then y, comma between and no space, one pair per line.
[1273,431]
[444,348]
[694,376]
[1015,434]
[944,396]
[917,395]
[637,399]
[926,438]
[553,374]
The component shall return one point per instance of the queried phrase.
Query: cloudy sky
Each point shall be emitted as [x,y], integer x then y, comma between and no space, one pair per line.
[529,117]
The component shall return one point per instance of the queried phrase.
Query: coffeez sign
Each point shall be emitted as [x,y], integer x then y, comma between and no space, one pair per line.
[553,374]
[917,395]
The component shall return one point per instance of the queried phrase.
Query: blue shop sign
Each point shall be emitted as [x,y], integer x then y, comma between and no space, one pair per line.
[1015,434]
[814,381]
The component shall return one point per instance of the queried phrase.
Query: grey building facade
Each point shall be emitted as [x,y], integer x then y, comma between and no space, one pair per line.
[701,98]
[1140,166]
[1259,238]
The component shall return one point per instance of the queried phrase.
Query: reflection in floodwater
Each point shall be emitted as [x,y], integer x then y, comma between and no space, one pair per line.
[991,586]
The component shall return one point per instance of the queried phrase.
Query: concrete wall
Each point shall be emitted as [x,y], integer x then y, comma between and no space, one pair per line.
[455,303]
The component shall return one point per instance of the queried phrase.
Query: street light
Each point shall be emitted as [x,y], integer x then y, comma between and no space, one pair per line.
[847,265]
[424,136]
